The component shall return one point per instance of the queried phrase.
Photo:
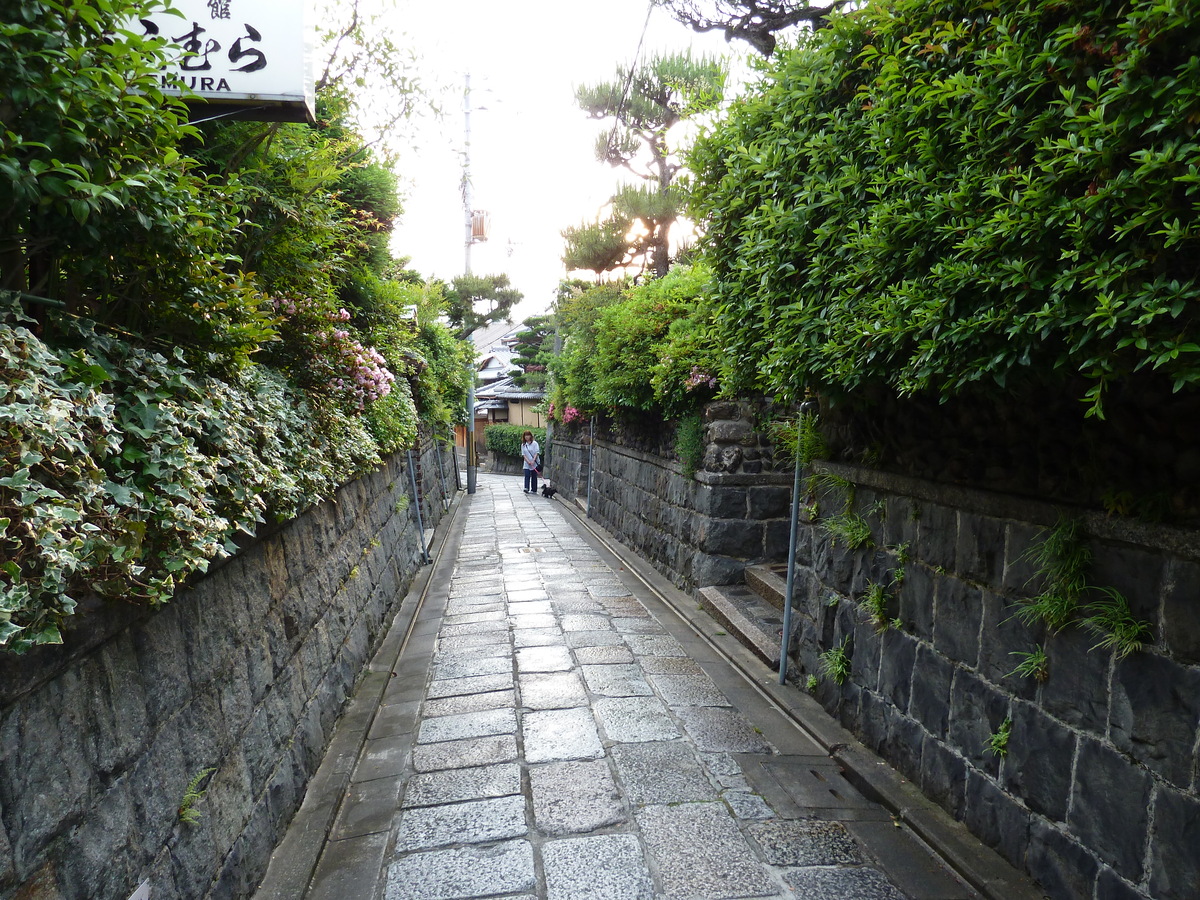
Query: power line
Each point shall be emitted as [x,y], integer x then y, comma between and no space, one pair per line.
[612,135]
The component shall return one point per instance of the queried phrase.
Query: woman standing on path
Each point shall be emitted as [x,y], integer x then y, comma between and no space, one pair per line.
[529,453]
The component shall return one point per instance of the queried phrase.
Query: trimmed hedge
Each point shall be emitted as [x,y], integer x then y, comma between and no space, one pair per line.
[506,439]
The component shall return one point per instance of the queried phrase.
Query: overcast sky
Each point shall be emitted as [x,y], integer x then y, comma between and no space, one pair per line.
[532,160]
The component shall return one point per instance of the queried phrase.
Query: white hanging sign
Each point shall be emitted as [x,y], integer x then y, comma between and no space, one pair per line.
[254,56]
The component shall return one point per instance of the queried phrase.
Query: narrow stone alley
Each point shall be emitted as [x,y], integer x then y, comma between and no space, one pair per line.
[544,725]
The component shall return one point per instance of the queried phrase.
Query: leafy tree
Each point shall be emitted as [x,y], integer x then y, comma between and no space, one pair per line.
[931,198]
[98,208]
[644,104]
[468,292]
[600,246]
[532,354]
[753,21]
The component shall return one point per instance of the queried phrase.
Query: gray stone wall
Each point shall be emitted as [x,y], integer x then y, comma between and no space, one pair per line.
[698,530]
[1097,794]
[244,673]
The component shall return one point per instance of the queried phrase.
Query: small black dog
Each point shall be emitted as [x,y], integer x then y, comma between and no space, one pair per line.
[548,492]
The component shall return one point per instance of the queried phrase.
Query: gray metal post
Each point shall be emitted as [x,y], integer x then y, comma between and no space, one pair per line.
[412,480]
[472,461]
[591,461]
[786,639]
[442,471]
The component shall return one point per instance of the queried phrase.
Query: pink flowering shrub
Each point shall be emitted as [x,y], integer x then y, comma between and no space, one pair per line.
[700,378]
[571,414]
[329,358]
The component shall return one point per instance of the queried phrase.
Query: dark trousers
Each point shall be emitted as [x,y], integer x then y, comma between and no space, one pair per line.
[531,480]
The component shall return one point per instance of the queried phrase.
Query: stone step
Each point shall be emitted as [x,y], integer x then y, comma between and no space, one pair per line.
[746,616]
[769,581]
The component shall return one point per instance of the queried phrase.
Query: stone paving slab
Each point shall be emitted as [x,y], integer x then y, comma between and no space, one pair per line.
[575,797]
[606,867]
[455,785]
[476,822]
[470,872]
[702,855]
[556,734]
[463,754]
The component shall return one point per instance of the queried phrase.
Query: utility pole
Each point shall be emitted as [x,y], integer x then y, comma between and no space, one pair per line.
[472,452]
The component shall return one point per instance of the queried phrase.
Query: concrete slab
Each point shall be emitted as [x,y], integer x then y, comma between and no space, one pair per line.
[349,868]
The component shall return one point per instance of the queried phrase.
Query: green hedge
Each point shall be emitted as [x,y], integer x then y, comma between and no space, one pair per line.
[506,439]
[932,195]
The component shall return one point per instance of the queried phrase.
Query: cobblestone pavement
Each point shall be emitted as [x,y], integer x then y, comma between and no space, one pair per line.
[551,731]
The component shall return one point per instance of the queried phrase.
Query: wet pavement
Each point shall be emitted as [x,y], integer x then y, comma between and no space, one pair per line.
[541,724]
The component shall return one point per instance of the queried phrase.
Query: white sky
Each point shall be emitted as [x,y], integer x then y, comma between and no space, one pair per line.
[532,160]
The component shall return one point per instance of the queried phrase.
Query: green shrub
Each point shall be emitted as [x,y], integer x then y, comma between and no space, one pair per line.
[506,439]
[123,472]
[689,444]
[925,196]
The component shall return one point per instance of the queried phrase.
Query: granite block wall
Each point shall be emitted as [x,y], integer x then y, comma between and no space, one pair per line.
[698,530]
[1096,792]
[241,677]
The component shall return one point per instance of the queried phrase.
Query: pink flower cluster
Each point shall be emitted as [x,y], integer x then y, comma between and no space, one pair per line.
[571,414]
[366,375]
[359,373]
[700,378]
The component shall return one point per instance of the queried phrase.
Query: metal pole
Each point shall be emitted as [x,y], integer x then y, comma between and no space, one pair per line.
[472,455]
[786,639]
[466,188]
[809,407]
[437,445]
[458,486]
[591,461]
[412,480]
[472,460]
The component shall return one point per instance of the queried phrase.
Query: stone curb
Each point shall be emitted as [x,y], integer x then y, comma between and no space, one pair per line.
[979,866]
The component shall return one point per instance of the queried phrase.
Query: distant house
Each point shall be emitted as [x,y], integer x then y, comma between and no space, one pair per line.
[505,401]
[498,399]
